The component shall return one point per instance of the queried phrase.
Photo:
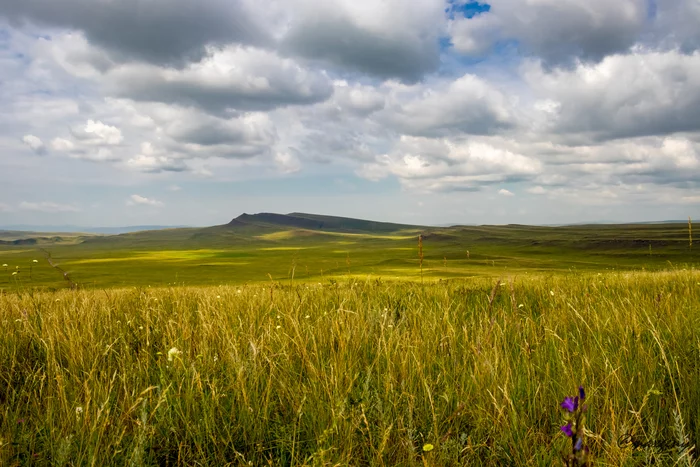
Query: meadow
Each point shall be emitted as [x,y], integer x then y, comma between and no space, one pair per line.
[261,362]
[264,250]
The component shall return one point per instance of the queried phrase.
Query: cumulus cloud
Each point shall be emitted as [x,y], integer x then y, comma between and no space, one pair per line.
[468,105]
[504,192]
[138,200]
[389,39]
[94,141]
[155,31]
[558,31]
[443,165]
[98,133]
[664,163]
[200,135]
[153,160]
[230,78]
[35,144]
[356,98]
[47,207]
[72,52]
[638,94]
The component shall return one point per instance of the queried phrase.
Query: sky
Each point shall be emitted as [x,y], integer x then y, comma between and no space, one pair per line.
[182,112]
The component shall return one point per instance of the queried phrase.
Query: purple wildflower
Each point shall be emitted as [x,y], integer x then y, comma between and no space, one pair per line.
[569,404]
[567,430]
[581,393]
[578,445]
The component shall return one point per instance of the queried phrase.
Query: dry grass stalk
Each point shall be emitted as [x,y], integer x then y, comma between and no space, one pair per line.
[420,255]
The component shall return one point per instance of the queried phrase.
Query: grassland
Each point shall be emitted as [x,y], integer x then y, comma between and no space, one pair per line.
[354,373]
[252,250]
[274,341]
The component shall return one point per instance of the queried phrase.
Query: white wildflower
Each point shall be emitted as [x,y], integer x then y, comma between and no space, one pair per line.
[172,353]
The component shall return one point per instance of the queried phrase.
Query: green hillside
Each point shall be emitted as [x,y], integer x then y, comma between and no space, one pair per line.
[314,248]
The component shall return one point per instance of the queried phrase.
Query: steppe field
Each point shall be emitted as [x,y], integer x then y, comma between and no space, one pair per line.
[289,340]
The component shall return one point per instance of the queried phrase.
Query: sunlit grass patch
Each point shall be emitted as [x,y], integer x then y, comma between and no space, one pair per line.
[284,248]
[285,234]
[158,255]
[14,252]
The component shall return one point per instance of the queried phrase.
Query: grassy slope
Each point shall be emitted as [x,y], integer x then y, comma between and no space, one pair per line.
[359,373]
[255,248]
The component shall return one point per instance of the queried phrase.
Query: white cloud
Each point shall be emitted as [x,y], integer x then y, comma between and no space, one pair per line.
[88,150]
[662,161]
[559,31]
[468,105]
[174,188]
[154,160]
[443,165]
[388,39]
[47,207]
[356,98]
[238,78]
[161,31]
[287,163]
[138,200]
[73,53]
[504,192]
[35,144]
[62,145]
[638,94]
[98,133]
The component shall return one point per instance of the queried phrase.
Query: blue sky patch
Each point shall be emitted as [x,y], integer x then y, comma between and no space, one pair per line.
[468,10]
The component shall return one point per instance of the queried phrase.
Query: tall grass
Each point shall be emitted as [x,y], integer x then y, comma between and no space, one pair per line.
[352,373]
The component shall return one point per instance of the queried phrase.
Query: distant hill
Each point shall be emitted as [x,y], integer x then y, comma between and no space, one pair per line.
[298,220]
[34,229]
